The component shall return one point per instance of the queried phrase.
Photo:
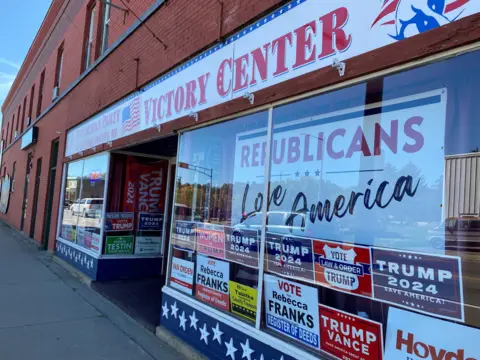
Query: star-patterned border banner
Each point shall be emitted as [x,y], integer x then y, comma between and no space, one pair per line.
[339,328]
[78,259]
[212,337]
[431,284]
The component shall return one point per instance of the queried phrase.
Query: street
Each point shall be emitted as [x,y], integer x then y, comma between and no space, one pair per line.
[46,313]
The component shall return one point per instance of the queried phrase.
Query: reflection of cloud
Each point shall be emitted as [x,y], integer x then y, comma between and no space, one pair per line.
[6,81]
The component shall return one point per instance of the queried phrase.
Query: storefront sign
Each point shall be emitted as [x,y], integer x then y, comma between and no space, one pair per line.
[119,245]
[184,235]
[211,240]
[145,186]
[412,336]
[344,173]
[349,337]
[260,56]
[212,277]
[241,246]
[119,221]
[150,222]
[425,283]
[343,267]
[244,300]
[92,239]
[290,256]
[148,245]
[181,277]
[292,309]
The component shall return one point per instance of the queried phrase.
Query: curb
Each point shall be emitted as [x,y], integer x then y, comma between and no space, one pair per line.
[74,272]
[179,345]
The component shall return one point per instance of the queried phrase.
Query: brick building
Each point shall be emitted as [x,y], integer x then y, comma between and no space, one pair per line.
[138,137]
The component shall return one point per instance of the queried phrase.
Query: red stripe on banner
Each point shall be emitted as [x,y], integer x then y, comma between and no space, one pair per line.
[455,5]
[182,283]
[390,8]
[391,22]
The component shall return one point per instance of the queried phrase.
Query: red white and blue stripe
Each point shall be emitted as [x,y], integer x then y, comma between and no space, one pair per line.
[131,116]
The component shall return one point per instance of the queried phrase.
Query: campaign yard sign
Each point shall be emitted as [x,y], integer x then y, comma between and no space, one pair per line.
[212,277]
[426,283]
[148,245]
[343,267]
[119,221]
[116,245]
[292,309]
[290,256]
[181,277]
[150,222]
[244,300]
[349,337]
[184,235]
[211,240]
[241,246]
[414,336]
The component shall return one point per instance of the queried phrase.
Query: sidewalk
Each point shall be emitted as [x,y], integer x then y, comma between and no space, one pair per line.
[46,313]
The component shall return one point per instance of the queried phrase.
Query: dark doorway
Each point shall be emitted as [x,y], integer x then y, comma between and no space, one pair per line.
[51,190]
[25,191]
[35,197]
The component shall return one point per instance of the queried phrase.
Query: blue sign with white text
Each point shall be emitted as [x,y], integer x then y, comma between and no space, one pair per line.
[150,222]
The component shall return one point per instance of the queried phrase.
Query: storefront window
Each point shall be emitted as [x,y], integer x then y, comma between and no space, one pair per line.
[216,230]
[83,202]
[372,213]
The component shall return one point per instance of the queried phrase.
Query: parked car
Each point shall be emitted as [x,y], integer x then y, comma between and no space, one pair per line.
[462,233]
[87,207]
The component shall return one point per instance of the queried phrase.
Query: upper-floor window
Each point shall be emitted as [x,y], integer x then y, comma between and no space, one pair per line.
[40,93]
[105,26]
[23,113]
[89,44]
[18,118]
[30,107]
[58,71]
[12,188]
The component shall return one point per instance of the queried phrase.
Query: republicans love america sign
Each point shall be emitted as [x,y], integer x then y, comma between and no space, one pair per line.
[300,37]
[343,175]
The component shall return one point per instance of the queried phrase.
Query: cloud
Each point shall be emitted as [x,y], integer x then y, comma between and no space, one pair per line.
[10,63]
[6,82]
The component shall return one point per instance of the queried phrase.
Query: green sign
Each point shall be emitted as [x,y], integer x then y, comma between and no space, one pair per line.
[119,245]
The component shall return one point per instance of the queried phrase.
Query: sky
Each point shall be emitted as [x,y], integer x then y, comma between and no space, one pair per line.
[17,31]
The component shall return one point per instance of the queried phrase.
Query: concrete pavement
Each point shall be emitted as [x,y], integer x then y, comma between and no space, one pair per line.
[46,313]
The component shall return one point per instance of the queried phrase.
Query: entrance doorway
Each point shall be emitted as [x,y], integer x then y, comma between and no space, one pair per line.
[25,191]
[50,193]
[35,198]
[130,190]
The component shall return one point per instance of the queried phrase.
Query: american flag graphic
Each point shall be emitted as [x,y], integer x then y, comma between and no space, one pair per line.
[131,116]
[442,7]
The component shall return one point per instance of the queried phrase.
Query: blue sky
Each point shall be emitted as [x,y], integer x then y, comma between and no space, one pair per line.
[17,31]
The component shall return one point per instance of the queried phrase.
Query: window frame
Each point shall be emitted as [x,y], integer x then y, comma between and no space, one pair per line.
[41,90]
[89,46]
[59,66]
[105,29]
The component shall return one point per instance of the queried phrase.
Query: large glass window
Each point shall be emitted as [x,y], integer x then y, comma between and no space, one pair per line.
[81,218]
[215,234]
[372,211]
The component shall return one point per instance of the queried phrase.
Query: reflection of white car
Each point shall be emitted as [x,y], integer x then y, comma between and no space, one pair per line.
[276,223]
[87,207]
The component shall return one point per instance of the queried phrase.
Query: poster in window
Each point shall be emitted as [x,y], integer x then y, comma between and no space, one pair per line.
[150,222]
[244,300]
[116,245]
[349,337]
[292,310]
[148,245]
[343,267]
[184,235]
[119,221]
[211,282]
[350,175]
[290,256]
[92,239]
[241,246]
[211,240]
[145,186]
[426,283]
[181,276]
[414,336]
